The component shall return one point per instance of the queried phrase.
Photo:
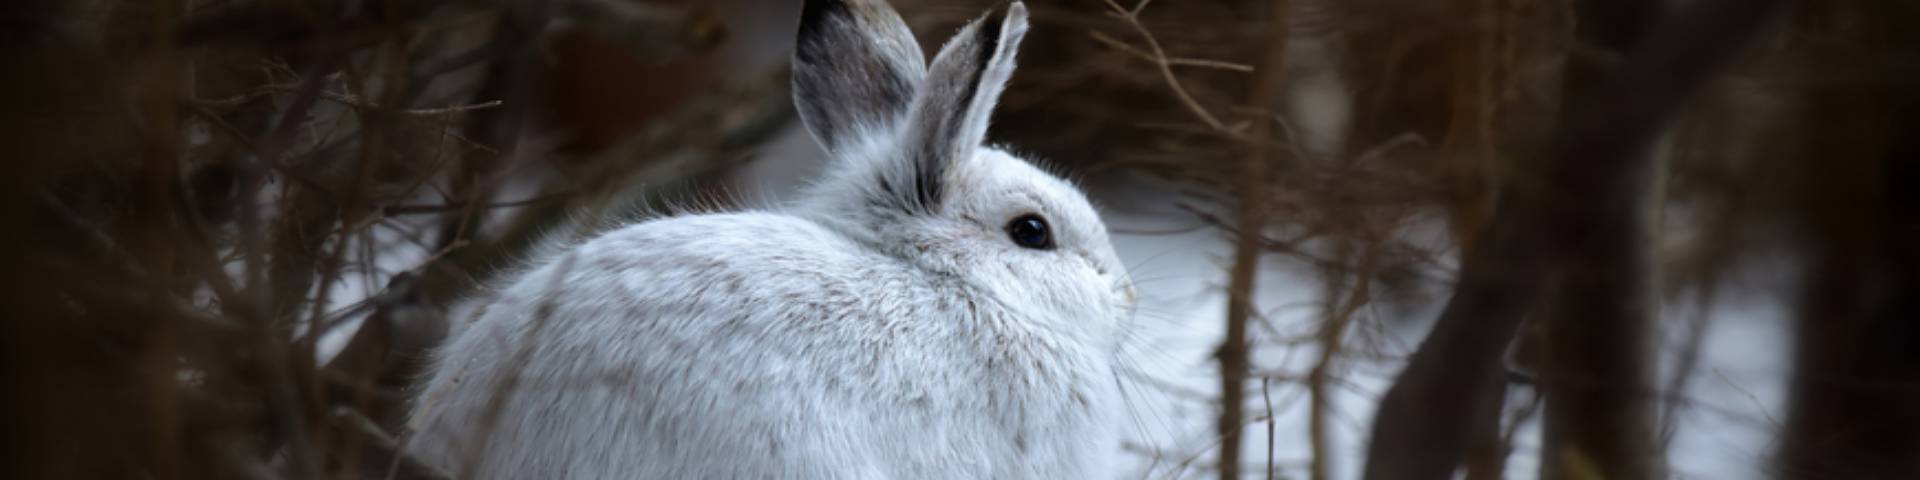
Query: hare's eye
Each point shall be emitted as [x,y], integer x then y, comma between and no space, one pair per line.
[1030,231]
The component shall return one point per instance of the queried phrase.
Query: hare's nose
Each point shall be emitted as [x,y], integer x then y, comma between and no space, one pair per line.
[1128,292]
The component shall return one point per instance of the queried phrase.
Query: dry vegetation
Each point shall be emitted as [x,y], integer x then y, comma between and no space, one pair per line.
[204,188]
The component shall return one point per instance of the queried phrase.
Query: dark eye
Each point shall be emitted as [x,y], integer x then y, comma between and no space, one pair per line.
[1030,231]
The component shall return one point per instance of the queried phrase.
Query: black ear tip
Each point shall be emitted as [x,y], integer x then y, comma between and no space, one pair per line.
[1002,9]
[816,16]
[997,14]
[814,12]
[995,21]
[989,35]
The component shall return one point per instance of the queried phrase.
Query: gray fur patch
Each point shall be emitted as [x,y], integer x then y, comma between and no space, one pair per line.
[855,67]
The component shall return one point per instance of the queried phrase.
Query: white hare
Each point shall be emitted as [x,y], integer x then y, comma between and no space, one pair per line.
[932,308]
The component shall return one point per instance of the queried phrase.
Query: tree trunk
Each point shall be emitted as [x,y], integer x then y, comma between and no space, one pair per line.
[1427,417]
[1854,406]
[1599,371]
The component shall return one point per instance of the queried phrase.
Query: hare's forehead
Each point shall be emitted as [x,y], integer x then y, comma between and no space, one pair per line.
[1011,183]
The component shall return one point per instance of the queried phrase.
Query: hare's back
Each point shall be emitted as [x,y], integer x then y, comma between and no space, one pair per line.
[703,346]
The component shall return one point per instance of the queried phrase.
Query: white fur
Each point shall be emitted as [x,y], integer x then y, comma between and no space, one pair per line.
[833,338]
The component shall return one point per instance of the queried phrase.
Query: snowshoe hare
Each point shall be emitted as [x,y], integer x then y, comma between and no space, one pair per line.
[932,308]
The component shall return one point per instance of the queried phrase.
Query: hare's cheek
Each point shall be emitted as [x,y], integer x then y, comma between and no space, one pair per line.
[1088,294]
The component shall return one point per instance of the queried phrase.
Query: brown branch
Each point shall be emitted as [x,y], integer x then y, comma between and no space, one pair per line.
[1332,334]
[404,209]
[1251,220]
[1108,40]
[709,136]
[1215,442]
[346,99]
[353,422]
[1266,397]
[1160,59]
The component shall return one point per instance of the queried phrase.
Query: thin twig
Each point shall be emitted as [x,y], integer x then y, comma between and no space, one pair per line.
[1266,396]
[451,206]
[1132,19]
[1176,61]
[1755,399]
[346,99]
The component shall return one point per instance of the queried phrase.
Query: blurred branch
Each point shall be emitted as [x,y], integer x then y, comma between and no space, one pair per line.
[1250,219]
[1175,61]
[651,32]
[711,135]
[355,423]
[1158,56]
[207,178]
[1332,334]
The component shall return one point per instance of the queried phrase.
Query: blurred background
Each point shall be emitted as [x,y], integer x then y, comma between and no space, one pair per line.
[1375,238]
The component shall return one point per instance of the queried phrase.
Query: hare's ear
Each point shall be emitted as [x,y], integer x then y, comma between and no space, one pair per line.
[855,69]
[949,118]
